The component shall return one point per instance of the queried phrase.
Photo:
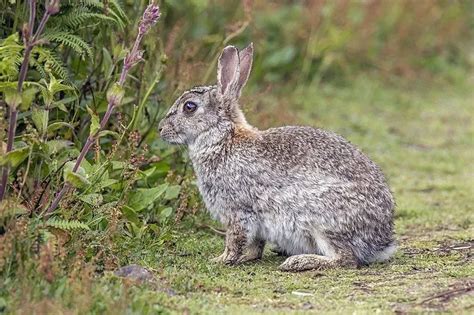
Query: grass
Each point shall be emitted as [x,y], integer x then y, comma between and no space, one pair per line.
[423,138]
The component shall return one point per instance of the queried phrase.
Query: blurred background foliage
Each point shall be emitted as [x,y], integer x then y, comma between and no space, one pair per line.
[135,187]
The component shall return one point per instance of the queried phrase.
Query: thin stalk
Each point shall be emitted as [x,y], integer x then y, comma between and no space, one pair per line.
[145,98]
[25,177]
[17,15]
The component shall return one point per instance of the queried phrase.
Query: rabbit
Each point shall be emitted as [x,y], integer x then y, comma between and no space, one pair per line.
[308,191]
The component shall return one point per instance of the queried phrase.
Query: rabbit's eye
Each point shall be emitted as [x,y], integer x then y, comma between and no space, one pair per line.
[190,107]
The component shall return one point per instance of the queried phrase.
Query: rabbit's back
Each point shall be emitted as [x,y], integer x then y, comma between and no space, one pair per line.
[316,152]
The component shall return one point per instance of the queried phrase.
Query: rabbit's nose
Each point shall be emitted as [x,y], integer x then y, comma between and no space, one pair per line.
[160,126]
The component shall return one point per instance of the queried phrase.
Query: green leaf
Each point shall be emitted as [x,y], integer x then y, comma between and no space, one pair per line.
[130,214]
[104,133]
[148,172]
[40,119]
[95,124]
[55,146]
[27,97]
[57,125]
[172,192]
[12,98]
[155,228]
[141,198]
[14,157]
[108,182]
[92,199]
[56,86]
[107,63]
[77,179]
[166,213]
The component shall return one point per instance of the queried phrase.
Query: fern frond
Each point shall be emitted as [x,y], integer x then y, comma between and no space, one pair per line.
[10,57]
[92,3]
[115,6]
[67,225]
[81,16]
[117,19]
[39,67]
[47,58]
[73,41]
[82,3]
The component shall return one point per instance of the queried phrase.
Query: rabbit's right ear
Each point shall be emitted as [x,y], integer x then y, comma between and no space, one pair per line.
[245,66]
[228,72]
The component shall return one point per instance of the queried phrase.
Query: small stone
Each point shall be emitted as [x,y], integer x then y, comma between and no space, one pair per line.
[307,306]
[134,272]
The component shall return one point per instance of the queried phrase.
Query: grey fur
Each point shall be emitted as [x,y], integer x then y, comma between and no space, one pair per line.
[308,191]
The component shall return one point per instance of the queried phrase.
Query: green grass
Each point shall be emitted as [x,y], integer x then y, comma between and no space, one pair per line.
[423,138]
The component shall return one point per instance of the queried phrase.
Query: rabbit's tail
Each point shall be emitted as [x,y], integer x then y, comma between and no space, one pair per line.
[384,254]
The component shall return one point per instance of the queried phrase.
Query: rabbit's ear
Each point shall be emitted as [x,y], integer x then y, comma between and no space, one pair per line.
[228,71]
[245,62]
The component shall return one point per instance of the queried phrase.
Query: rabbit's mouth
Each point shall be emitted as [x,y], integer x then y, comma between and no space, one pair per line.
[171,137]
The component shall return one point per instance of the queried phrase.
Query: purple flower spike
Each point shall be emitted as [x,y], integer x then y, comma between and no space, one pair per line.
[149,18]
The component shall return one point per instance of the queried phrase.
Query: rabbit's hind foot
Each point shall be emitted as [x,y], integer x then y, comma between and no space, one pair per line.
[306,262]
[253,252]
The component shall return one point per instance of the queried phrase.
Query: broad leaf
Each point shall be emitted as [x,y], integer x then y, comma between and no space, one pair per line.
[55,146]
[77,179]
[12,98]
[141,198]
[57,125]
[172,192]
[166,213]
[27,97]
[130,214]
[14,157]
[40,118]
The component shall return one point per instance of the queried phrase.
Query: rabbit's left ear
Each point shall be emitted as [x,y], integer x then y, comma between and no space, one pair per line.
[245,62]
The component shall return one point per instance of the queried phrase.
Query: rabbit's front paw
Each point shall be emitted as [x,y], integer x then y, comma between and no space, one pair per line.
[220,258]
[229,258]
